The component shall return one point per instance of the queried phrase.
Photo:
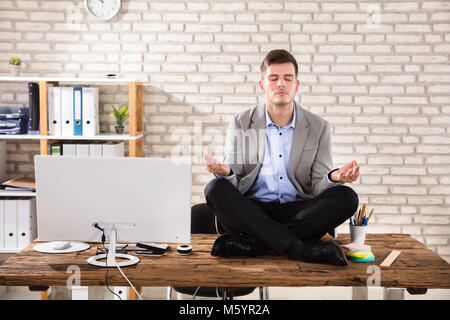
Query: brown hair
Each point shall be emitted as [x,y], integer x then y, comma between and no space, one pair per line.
[278,56]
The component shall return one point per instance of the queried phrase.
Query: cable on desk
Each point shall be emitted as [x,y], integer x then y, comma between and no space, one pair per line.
[195,293]
[106,260]
[217,293]
[106,280]
[123,275]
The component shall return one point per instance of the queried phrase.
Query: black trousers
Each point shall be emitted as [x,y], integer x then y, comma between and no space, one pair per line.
[279,225]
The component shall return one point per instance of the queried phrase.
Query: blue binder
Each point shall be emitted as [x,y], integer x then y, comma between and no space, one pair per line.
[77,111]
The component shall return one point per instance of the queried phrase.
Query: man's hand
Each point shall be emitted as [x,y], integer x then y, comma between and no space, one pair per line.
[215,166]
[346,174]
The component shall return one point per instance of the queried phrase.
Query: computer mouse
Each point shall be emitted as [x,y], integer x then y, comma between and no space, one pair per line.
[62,245]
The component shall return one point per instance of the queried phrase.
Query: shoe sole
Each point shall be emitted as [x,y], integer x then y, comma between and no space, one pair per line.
[341,251]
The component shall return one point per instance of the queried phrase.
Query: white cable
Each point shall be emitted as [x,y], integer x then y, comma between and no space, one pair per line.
[123,275]
[195,293]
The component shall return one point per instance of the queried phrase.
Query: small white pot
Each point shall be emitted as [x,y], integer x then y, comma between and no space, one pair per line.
[14,70]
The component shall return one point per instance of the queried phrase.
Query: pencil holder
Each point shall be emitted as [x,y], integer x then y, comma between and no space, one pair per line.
[358,233]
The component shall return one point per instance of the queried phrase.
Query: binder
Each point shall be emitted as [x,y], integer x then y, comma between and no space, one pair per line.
[90,112]
[82,150]
[95,150]
[67,111]
[69,149]
[56,149]
[26,222]
[33,104]
[54,111]
[10,223]
[2,223]
[77,114]
[3,167]
[114,149]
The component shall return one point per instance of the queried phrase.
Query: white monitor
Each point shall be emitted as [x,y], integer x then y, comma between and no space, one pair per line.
[147,198]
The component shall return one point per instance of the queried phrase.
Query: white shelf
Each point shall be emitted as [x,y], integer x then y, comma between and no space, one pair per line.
[68,80]
[106,136]
[10,193]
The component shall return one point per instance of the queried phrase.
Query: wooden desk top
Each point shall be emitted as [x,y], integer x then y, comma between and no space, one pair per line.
[416,267]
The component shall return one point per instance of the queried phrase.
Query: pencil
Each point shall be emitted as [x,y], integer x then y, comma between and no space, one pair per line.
[362,214]
[370,215]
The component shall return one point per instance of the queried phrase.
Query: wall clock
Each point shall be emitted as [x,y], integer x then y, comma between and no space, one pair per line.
[103,9]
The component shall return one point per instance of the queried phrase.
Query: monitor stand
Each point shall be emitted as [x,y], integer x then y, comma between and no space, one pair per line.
[112,255]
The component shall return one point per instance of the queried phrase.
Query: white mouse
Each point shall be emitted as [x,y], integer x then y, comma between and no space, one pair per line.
[62,245]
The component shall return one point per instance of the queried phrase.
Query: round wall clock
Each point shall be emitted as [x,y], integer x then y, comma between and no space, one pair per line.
[103,9]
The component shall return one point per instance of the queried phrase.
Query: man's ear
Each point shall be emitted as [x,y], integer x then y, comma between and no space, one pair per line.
[261,85]
[298,84]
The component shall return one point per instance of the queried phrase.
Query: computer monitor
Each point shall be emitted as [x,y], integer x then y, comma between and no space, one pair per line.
[148,199]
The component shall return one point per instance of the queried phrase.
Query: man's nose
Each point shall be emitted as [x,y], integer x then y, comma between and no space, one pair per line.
[281,83]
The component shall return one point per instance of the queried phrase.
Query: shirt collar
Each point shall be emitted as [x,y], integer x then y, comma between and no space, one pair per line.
[270,122]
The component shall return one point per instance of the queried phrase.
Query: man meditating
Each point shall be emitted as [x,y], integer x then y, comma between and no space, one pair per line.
[276,188]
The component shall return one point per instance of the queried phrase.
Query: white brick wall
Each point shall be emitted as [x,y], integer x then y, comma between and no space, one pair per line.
[384,87]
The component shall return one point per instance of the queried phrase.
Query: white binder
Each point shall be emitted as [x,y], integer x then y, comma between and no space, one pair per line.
[77,113]
[69,149]
[26,222]
[2,223]
[114,149]
[10,223]
[67,111]
[54,111]
[90,112]
[82,150]
[95,150]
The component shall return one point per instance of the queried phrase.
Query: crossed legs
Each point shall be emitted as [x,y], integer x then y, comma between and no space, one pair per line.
[279,225]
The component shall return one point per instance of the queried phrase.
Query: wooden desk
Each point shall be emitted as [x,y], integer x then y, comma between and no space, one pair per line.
[416,268]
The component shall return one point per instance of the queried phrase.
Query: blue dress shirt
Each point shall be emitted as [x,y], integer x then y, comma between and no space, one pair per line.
[273,183]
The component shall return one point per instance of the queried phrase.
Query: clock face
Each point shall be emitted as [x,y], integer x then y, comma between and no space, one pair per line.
[103,9]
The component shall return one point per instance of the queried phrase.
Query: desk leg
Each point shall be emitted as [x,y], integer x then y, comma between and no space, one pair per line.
[263,293]
[169,293]
[394,294]
[132,295]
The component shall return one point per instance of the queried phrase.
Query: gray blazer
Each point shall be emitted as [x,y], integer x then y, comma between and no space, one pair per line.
[311,158]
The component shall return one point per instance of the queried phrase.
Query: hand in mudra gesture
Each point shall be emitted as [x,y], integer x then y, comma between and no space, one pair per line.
[346,174]
[215,166]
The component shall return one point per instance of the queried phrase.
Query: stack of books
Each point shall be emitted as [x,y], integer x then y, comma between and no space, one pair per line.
[20,184]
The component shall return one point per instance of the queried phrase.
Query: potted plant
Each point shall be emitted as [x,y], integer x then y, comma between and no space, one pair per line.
[121,115]
[14,66]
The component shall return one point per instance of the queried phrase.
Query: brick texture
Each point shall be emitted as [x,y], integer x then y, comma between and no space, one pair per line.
[378,71]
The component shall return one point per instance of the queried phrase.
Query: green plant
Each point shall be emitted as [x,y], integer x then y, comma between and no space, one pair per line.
[121,114]
[15,61]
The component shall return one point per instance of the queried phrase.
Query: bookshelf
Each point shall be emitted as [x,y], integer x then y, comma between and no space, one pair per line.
[134,138]
[135,107]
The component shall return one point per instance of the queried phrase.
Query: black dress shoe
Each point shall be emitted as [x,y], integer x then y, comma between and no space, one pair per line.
[324,252]
[228,245]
